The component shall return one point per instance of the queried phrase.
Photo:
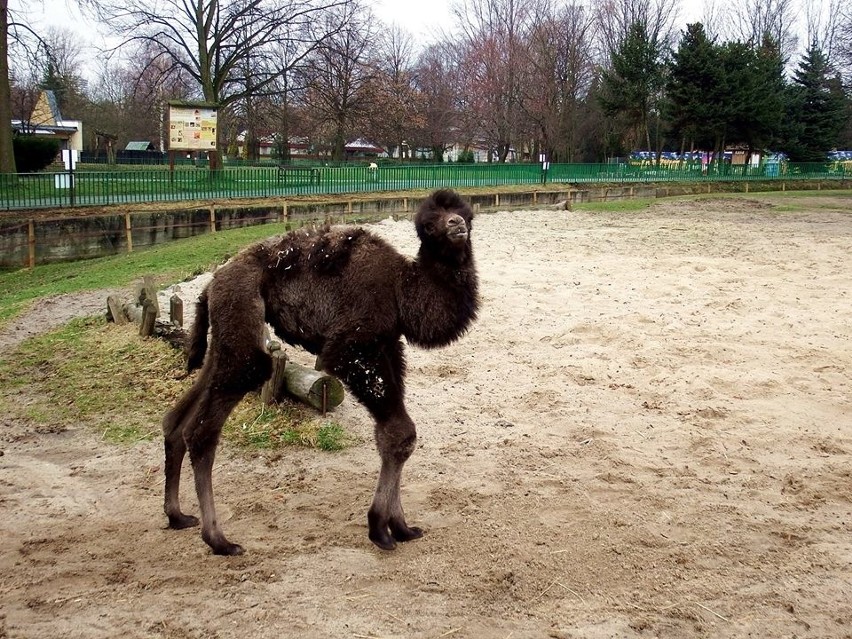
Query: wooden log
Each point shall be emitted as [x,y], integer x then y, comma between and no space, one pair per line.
[115,312]
[317,389]
[273,389]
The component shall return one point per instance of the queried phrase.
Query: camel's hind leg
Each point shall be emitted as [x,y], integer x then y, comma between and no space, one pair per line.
[175,450]
[202,437]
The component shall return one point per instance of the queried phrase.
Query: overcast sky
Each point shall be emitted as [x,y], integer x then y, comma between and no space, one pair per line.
[424,16]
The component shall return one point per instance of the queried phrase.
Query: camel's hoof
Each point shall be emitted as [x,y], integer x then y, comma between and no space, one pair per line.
[385,542]
[179,522]
[228,550]
[404,533]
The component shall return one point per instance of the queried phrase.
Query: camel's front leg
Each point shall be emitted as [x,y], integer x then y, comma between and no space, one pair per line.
[395,439]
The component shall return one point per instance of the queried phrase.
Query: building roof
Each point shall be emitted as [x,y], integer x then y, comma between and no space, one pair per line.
[139,145]
[363,146]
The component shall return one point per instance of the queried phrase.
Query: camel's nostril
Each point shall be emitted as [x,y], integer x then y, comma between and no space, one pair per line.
[455,220]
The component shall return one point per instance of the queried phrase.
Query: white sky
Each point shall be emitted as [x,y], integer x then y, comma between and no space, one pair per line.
[419,17]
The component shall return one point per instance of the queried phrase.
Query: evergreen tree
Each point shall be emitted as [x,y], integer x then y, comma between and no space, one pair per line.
[632,87]
[692,89]
[816,109]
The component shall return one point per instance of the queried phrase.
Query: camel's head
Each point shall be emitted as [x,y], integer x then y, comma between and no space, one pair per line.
[444,220]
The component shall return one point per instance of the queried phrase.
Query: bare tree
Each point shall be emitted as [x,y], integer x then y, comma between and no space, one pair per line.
[824,26]
[615,18]
[228,47]
[560,73]
[750,20]
[396,113]
[494,34]
[440,100]
[338,78]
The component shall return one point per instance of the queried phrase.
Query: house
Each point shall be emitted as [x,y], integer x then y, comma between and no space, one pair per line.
[46,121]
[362,148]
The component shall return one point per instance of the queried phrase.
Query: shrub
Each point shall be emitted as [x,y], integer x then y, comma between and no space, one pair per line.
[465,157]
[33,154]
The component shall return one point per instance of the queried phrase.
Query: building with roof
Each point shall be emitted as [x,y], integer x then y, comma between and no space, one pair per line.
[46,121]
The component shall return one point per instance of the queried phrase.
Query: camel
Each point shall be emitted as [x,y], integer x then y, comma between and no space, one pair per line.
[341,293]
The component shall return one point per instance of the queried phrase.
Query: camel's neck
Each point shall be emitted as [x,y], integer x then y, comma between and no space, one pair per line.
[438,299]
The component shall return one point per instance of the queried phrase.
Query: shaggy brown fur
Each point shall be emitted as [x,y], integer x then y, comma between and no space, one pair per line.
[348,296]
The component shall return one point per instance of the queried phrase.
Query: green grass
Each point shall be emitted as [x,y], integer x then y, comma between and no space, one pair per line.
[107,378]
[626,206]
[169,263]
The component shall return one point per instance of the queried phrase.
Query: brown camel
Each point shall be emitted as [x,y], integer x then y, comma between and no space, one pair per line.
[341,293]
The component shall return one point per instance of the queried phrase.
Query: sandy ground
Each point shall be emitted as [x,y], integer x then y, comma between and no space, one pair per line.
[648,433]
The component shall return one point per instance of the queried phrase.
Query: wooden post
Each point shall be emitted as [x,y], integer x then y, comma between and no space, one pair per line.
[212,219]
[114,311]
[149,318]
[284,212]
[273,388]
[176,310]
[31,252]
[150,307]
[496,199]
[128,232]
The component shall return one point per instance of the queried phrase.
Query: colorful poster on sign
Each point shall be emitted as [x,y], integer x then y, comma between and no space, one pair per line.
[192,128]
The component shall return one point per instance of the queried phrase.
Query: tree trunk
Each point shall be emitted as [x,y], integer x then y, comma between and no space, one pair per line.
[7,153]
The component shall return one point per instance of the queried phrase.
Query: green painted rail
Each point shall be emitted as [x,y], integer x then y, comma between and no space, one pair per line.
[157,184]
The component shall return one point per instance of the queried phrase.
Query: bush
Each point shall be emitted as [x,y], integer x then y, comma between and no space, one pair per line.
[465,157]
[33,154]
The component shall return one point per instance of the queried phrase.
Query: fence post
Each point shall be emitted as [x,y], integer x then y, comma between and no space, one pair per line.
[212,218]
[128,231]
[284,212]
[31,253]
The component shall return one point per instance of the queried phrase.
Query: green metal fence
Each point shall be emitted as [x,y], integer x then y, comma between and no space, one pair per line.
[151,184]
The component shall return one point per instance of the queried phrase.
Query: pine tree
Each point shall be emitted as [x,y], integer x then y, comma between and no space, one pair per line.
[816,109]
[692,89]
[631,88]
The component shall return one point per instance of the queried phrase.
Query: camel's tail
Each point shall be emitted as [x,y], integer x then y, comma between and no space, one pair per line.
[197,341]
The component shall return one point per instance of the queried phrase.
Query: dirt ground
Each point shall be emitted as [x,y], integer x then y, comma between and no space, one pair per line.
[648,433]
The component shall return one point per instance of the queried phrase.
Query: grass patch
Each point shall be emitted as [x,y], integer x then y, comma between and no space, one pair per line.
[105,377]
[254,425]
[169,263]
[617,206]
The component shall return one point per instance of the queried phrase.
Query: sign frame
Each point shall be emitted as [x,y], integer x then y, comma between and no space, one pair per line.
[192,126]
